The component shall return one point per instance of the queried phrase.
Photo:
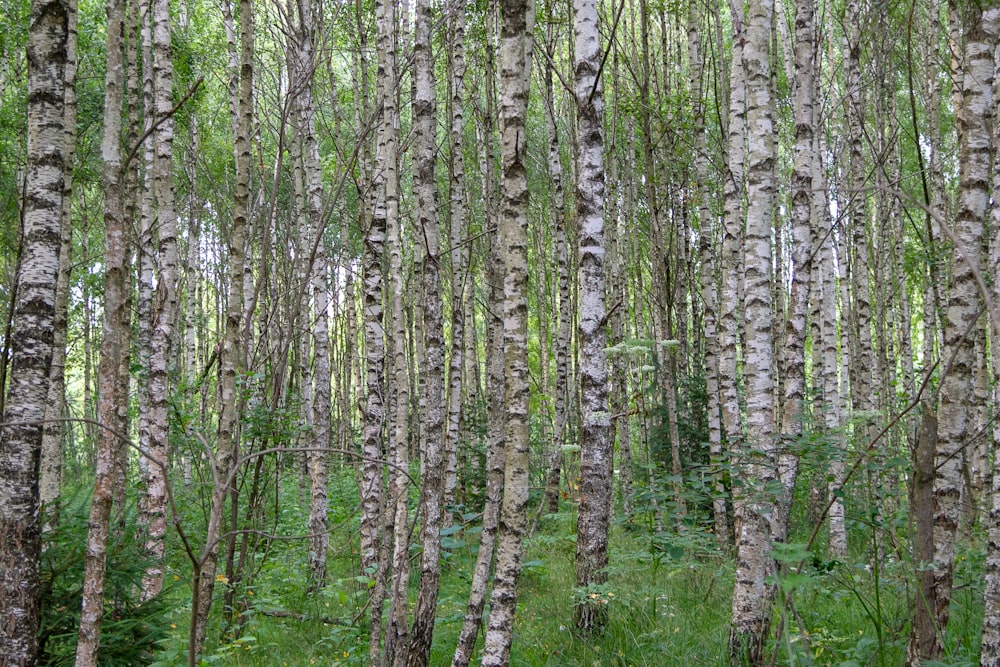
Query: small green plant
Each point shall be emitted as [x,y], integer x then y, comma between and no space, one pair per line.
[132,630]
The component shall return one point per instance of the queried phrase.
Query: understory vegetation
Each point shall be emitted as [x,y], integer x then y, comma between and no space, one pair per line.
[668,593]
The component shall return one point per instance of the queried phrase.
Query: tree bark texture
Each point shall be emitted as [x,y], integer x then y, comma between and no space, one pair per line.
[515,76]
[596,452]
[374,408]
[795,333]
[754,503]
[30,343]
[989,655]
[964,303]
[165,309]
[114,345]
[432,433]
[55,409]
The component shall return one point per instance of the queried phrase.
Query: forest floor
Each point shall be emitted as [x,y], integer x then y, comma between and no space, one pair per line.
[668,597]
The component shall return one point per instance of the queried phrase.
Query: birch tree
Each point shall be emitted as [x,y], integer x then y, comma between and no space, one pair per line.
[114,343]
[517,26]
[495,379]
[374,409]
[964,303]
[596,452]
[459,253]
[754,503]
[55,411]
[31,335]
[709,282]
[989,655]
[731,257]
[434,460]
[793,371]
[231,356]
[162,326]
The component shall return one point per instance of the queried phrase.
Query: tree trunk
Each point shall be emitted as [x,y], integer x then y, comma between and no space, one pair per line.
[990,644]
[756,460]
[114,345]
[495,379]
[432,419]
[924,638]
[517,27]
[963,303]
[550,503]
[373,411]
[162,330]
[596,447]
[402,395]
[55,408]
[459,252]
[30,343]
[231,357]
[793,371]
[709,287]
[731,260]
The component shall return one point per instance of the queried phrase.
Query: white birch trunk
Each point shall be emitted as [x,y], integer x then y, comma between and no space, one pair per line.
[989,655]
[709,285]
[30,344]
[731,260]
[495,379]
[793,371]
[756,462]
[596,447]
[55,408]
[231,356]
[374,408]
[400,394]
[162,329]
[459,253]
[964,302]
[433,462]
[515,76]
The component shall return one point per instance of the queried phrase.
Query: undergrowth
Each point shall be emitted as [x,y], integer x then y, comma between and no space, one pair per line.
[668,597]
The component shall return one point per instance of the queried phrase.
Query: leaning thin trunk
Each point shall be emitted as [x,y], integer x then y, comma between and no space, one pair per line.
[231,355]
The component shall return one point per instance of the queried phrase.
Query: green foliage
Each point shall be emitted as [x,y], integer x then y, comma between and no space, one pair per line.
[132,630]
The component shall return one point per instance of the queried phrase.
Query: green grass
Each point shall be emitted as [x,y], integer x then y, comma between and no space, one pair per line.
[668,599]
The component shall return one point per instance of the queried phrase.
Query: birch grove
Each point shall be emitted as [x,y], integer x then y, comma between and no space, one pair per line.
[500,333]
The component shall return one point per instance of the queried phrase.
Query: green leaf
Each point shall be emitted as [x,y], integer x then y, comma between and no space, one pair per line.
[451,543]
[792,552]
